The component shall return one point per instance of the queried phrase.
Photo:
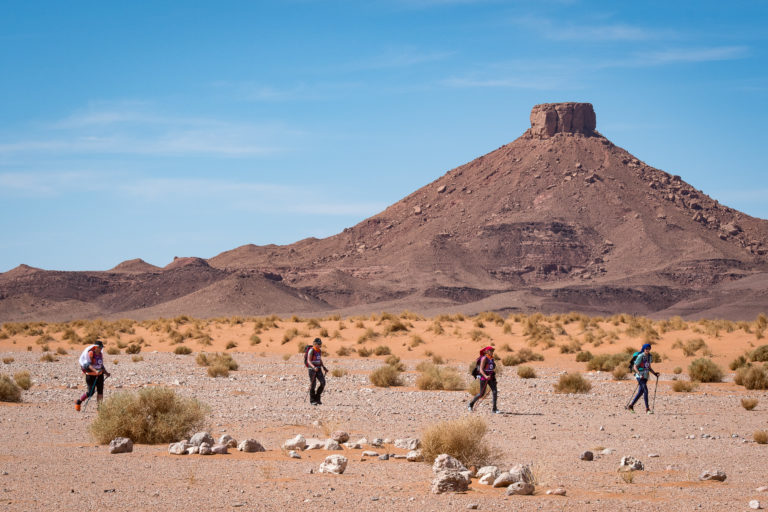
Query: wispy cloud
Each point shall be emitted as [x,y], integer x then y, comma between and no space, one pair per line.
[124,130]
[682,55]
[586,31]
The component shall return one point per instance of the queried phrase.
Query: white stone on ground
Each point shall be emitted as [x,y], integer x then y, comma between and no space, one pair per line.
[520,488]
[408,443]
[120,445]
[335,464]
[713,474]
[201,437]
[297,443]
[250,446]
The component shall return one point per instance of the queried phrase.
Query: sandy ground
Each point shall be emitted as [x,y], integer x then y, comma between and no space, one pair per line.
[49,461]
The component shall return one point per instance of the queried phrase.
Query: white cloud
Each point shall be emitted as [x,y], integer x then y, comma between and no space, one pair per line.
[682,55]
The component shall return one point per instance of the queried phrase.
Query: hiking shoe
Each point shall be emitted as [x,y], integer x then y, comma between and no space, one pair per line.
[648,411]
[77,405]
[469,407]
[496,411]
[631,409]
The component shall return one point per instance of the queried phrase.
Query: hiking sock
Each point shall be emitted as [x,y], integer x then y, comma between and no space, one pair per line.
[77,404]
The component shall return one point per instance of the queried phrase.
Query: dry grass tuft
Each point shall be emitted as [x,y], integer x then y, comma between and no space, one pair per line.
[338,372]
[524,355]
[385,376]
[182,350]
[151,416]
[9,391]
[760,436]
[572,383]
[48,358]
[684,386]
[526,372]
[23,379]
[8,360]
[749,403]
[752,377]
[434,377]
[382,350]
[135,359]
[619,373]
[462,438]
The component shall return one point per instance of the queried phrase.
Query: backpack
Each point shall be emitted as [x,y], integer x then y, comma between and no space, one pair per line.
[475,372]
[306,355]
[632,360]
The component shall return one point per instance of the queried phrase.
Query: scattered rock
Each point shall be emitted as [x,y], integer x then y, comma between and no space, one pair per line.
[179,448]
[294,454]
[414,456]
[653,455]
[445,462]
[488,470]
[297,443]
[220,449]
[120,445]
[587,455]
[762,489]
[713,474]
[200,438]
[629,463]
[409,443]
[520,488]
[755,505]
[472,506]
[315,444]
[332,445]
[353,446]
[370,453]
[192,450]
[488,478]
[250,446]
[377,442]
[340,436]
[204,449]
[228,440]
[335,464]
[384,456]
[521,473]
[441,189]
[556,492]
[450,481]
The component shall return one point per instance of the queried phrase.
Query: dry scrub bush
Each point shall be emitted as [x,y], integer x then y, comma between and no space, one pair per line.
[704,370]
[619,373]
[289,335]
[416,340]
[8,360]
[151,416]
[524,355]
[133,348]
[369,334]
[385,376]
[23,380]
[218,365]
[677,370]
[394,361]
[760,436]
[760,354]
[255,339]
[382,350]
[584,357]
[61,351]
[749,403]
[49,358]
[395,326]
[9,391]
[135,359]
[752,377]
[182,350]
[683,386]
[338,372]
[526,372]
[437,359]
[231,345]
[343,351]
[572,383]
[462,438]
[608,362]
[690,347]
[113,351]
[477,335]
[435,377]
[364,352]
[738,363]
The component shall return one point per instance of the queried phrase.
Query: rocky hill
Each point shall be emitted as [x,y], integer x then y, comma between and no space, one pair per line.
[560,219]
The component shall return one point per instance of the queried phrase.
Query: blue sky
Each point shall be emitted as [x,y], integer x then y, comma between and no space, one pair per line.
[160,129]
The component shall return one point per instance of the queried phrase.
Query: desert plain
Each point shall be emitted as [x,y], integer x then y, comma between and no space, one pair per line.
[49,459]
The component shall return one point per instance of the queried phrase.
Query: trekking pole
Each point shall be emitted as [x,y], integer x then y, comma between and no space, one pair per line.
[653,409]
[633,395]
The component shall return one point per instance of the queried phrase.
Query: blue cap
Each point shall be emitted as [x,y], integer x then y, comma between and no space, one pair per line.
[646,346]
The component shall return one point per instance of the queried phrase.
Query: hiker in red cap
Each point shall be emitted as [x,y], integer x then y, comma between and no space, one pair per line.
[486,371]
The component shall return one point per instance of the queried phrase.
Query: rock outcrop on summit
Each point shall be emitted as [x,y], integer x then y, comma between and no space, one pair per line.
[560,219]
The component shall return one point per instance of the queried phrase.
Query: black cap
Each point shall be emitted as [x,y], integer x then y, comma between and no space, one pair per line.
[318,341]
[99,343]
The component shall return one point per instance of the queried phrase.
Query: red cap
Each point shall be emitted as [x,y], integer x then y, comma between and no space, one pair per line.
[486,349]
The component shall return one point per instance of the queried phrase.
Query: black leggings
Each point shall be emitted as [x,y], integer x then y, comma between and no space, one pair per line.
[99,387]
[315,376]
[484,384]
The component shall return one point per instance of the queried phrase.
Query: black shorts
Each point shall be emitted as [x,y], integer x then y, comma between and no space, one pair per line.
[98,379]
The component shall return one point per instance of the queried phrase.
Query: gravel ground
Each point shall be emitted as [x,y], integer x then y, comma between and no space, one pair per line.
[48,461]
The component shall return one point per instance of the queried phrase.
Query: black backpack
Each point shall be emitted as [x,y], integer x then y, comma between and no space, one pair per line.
[632,360]
[476,368]
[306,354]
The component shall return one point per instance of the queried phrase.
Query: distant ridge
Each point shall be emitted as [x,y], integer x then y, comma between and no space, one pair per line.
[560,219]
[135,266]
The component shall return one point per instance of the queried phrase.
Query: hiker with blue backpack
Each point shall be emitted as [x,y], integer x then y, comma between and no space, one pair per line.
[313,360]
[641,365]
[485,370]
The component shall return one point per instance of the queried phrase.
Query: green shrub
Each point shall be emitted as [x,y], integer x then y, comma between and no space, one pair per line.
[182,350]
[752,377]
[583,357]
[22,379]
[385,376]
[9,391]
[526,372]
[737,363]
[705,370]
[572,383]
[435,377]
[151,416]
[463,439]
